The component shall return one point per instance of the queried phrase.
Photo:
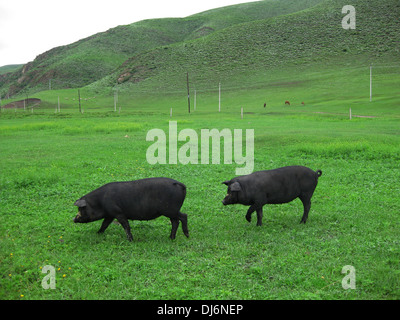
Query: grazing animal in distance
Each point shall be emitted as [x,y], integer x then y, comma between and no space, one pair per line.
[287,102]
[265,104]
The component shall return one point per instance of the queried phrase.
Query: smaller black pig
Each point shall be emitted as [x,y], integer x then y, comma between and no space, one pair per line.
[144,199]
[276,186]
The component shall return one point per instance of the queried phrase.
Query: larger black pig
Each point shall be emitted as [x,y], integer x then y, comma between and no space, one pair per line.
[273,186]
[144,199]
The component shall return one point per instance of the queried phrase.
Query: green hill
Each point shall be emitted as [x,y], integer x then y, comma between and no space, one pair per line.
[242,46]
[87,60]
[9,68]
[248,53]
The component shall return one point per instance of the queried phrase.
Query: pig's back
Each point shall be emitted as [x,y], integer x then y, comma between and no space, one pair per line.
[147,198]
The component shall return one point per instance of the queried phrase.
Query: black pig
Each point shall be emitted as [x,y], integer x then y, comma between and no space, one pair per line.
[144,199]
[276,186]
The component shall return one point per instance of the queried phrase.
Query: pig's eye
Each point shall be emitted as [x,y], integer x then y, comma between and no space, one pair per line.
[82,210]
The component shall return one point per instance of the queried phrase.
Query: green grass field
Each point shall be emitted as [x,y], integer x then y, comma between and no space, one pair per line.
[49,160]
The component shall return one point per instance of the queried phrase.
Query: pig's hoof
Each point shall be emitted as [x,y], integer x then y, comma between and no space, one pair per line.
[248,218]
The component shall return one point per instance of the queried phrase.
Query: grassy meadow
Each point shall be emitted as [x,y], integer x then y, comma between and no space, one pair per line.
[51,159]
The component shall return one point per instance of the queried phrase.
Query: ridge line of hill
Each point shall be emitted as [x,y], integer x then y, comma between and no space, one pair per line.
[95,57]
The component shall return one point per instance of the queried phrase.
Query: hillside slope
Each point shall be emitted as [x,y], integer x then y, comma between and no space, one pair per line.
[92,58]
[244,51]
[9,68]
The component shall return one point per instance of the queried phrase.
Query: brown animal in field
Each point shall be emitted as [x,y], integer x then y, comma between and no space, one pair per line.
[265,104]
[302,103]
[287,102]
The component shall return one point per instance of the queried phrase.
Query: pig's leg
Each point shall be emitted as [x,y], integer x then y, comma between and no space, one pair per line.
[253,208]
[259,216]
[105,224]
[249,212]
[306,200]
[183,218]
[125,224]
[175,224]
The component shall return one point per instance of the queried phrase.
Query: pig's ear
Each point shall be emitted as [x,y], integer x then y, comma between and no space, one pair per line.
[227,182]
[236,186]
[80,203]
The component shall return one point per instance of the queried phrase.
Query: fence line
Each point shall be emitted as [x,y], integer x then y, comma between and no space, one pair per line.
[207,87]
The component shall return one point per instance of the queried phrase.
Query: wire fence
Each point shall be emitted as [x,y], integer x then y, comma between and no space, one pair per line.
[373,77]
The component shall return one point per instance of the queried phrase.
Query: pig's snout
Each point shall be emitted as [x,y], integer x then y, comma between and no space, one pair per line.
[225,201]
[77,217]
